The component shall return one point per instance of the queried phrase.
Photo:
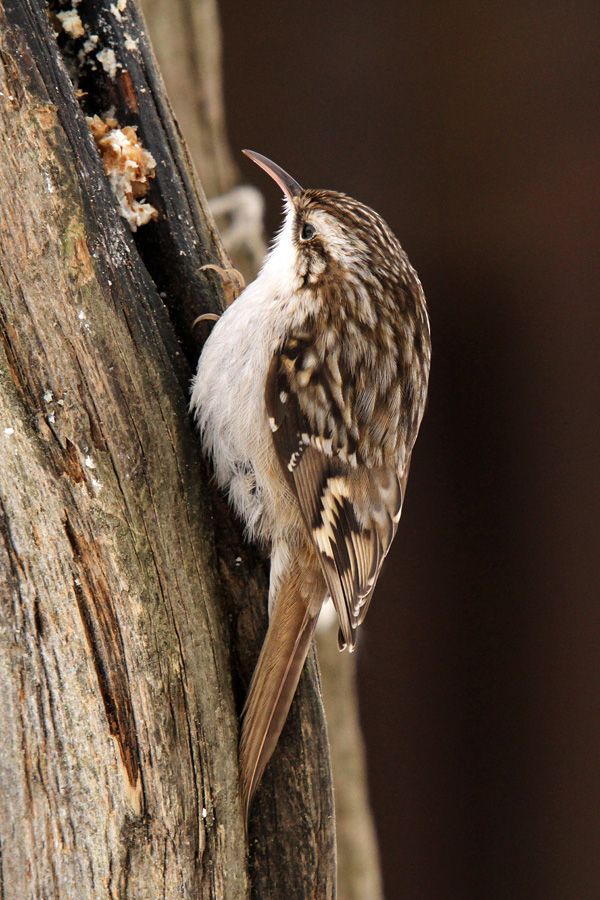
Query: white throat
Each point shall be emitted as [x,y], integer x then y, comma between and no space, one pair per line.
[279,273]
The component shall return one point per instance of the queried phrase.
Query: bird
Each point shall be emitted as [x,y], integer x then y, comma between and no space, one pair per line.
[308,396]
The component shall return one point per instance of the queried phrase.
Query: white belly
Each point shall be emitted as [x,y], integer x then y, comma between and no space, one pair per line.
[228,392]
[229,404]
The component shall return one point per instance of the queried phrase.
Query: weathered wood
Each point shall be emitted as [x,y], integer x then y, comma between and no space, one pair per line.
[120,626]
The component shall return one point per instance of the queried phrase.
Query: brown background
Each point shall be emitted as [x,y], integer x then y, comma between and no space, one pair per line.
[474,129]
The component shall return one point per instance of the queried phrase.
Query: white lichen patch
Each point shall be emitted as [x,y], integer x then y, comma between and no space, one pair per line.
[90,44]
[9,431]
[130,44]
[121,4]
[108,61]
[90,462]
[129,168]
[81,315]
[116,12]
[48,396]
[71,23]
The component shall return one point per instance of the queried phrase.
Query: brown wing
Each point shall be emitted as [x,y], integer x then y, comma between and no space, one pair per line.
[351,510]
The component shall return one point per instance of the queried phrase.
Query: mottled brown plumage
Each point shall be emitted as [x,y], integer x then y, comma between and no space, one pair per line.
[309,394]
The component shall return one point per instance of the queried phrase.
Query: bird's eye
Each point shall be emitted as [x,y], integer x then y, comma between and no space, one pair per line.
[308,231]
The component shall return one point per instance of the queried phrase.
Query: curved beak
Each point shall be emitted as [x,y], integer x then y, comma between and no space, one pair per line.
[288,185]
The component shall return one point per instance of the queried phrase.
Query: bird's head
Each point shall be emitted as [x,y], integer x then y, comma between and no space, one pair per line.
[332,236]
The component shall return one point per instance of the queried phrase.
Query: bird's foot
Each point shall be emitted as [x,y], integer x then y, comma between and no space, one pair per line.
[233,281]
[233,285]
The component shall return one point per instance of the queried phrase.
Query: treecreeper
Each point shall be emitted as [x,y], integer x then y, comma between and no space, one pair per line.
[309,395]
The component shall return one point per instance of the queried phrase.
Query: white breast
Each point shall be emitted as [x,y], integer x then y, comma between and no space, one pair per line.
[228,390]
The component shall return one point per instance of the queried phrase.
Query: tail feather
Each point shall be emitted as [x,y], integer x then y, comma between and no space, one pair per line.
[273,687]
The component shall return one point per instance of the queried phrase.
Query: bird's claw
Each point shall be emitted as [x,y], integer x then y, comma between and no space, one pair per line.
[233,285]
[233,281]
[206,317]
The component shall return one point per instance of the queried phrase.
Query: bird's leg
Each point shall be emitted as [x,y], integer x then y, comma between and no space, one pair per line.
[233,285]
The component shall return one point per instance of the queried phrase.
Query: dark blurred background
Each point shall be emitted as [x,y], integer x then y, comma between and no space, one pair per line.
[473,129]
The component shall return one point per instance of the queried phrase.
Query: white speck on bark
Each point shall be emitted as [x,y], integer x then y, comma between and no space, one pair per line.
[108,61]
[71,23]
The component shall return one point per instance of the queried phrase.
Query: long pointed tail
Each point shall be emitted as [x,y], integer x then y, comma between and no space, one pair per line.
[273,686]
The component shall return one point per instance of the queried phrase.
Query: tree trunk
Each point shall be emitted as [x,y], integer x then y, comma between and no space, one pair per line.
[131,610]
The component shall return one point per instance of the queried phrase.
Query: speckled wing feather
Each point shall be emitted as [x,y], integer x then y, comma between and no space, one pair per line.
[351,510]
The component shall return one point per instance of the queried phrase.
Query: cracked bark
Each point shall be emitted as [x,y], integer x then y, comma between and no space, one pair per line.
[131,610]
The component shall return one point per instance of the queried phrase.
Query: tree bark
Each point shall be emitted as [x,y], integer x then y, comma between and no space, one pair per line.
[131,610]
